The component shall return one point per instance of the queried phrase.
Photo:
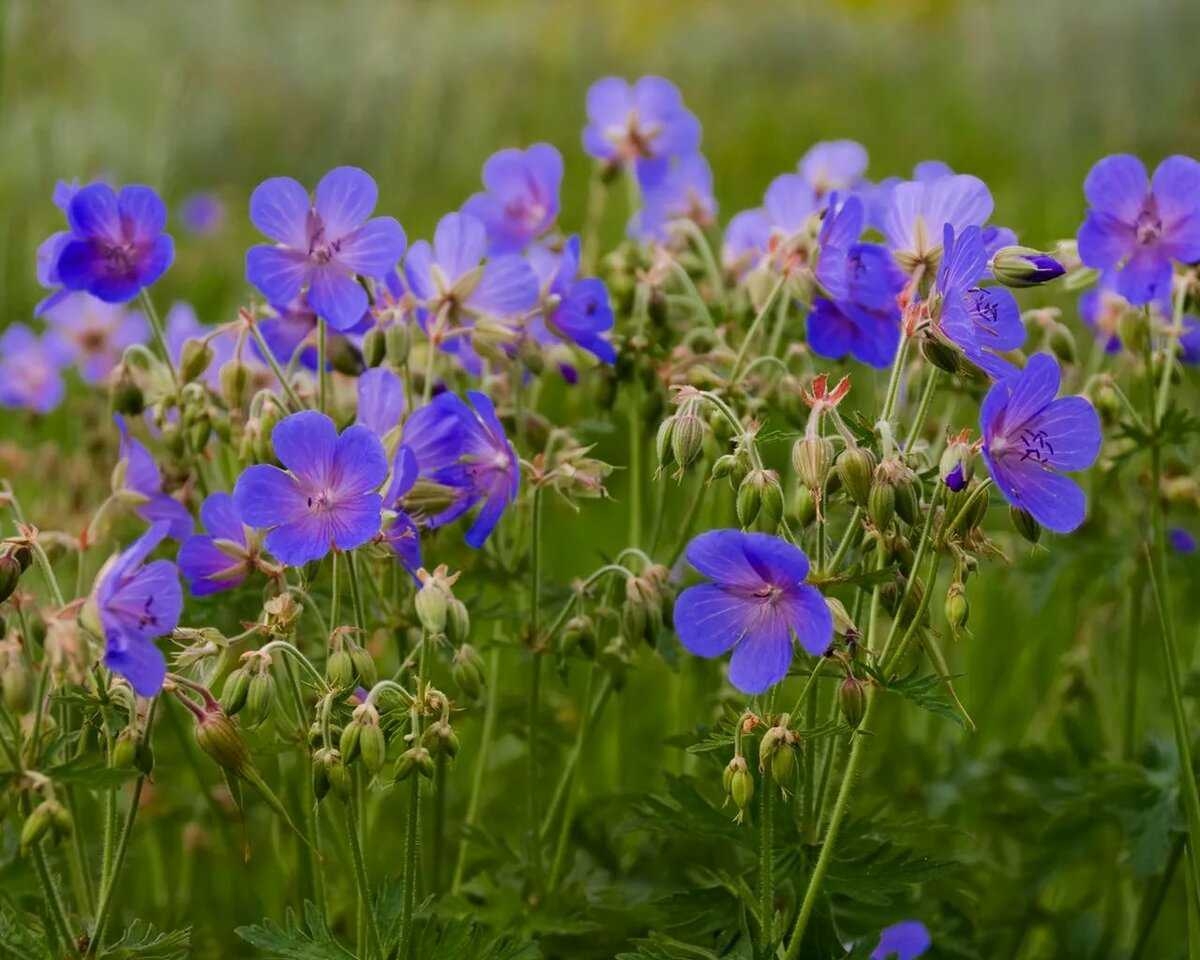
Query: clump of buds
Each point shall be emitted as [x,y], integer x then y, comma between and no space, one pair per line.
[466,668]
[348,664]
[329,773]
[760,500]
[363,736]
[414,759]
[642,610]
[681,436]
[777,754]
[894,492]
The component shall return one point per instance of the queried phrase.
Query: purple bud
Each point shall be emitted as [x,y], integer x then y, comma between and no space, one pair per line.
[1025,267]
[1181,541]
[956,479]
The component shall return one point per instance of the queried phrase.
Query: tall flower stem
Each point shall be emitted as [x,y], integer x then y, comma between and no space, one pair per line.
[39,554]
[635,464]
[412,825]
[273,363]
[918,422]
[108,884]
[54,902]
[893,387]
[373,945]
[535,686]
[485,742]
[752,333]
[160,337]
[322,365]
[596,199]
[766,867]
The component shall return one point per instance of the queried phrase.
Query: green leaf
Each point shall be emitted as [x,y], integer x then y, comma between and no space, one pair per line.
[464,940]
[22,935]
[141,941]
[91,771]
[307,939]
[927,692]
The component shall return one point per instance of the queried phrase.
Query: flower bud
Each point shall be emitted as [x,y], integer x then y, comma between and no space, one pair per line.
[749,500]
[855,468]
[397,341]
[15,685]
[374,347]
[881,505]
[38,824]
[143,758]
[440,740]
[344,356]
[194,359]
[124,750]
[467,670]
[908,500]
[687,437]
[335,773]
[260,698]
[957,608]
[1134,330]
[414,760]
[364,666]
[234,379]
[760,497]
[724,466]
[372,745]
[1024,267]
[1025,525]
[852,698]
[219,738]
[741,786]
[940,354]
[350,740]
[842,624]
[1062,343]
[10,575]
[804,507]
[812,459]
[458,621]
[783,766]
[339,670]
[125,396]
[432,607]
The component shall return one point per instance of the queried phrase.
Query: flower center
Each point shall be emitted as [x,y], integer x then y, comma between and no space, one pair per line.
[1148,225]
[120,258]
[321,501]
[320,249]
[768,592]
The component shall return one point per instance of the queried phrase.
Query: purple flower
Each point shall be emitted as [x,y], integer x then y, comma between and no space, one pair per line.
[454,286]
[50,248]
[1029,436]
[574,309]
[859,316]
[1189,341]
[137,602]
[775,229]
[328,497]
[465,448]
[682,191]
[644,123]
[834,165]
[322,242]
[116,245]
[981,321]
[221,558]
[400,531]
[202,213]
[1181,541]
[746,237]
[380,400]
[906,940]
[292,333]
[31,369]
[1138,226]
[96,332]
[521,198]
[756,601]
[956,479]
[918,210]
[142,485]
[1101,309]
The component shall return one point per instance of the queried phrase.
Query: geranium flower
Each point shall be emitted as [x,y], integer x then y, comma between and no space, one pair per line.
[521,199]
[681,191]
[143,479]
[31,369]
[465,448]
[116,245]
[328,496]
[221,558]
[575,309]
[918,210]
[96,332]
[834,165]
[1181,540]
[321,242]
[202,213]
[756,602]
[642,123]
[380,400]
[400,531]
[1029,437]
[137,602]
[1139,226]
[906,940]
[860,315]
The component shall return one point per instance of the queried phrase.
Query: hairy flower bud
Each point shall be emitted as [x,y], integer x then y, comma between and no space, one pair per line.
[432,603]
[957,608]
[1016,266]
[414,760]
[219,738]
[467,670]
[349,742]
[374,347]
[939,353]
[852,698]
[260,698]
[855,468]
[741,786]
[881,505]
[804,507]
[783,766]
[812,459]
[124,750]
[38,824]
[364,666]
[125,395]
[194,359]
[10,575]
[1025,525]
[397,341]
[908,500]
[687,437]
[339,670]
[458,621]
[234,379]
[1062,343]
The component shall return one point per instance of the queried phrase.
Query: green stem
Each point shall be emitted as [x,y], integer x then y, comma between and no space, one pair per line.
[54,902]
[535,687]
[753,331]
[39,555]
[160,339]
[597,196]
[1133,649]
[273,363]
[360,615]
[322,365]
[766,868]
[374,944]
[412,828]
[893,388]
[485,742]
[927,393]
[852,530]
[635,464]
[910,582]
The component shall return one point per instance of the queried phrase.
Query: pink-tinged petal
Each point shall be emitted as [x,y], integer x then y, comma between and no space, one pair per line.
[808,615]
[720,555]
[266,496]
[762,658]
[156,260]
[207,568]
[94,212]
[143,214]
[1068,433]
[359,462]
[356,521]
[335,295]
[1105,241]
[277,272]
[1058,503]
[459,244]
[373,249]
[961,200]
[608,101]
[508,287]
[418,271]
[306,444]
[710,620]
[1117,186]
[344,199]
[279,208]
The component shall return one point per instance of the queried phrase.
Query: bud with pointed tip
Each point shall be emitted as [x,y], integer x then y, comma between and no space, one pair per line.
[855,468]
[194,358]
[1016,266]
[467,670]
[957,608]
[339,670]
[219,738]
[812,459]
[1025,525]
[374,347]
[852,698]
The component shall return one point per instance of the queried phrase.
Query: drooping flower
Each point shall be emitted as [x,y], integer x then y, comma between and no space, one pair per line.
[756,602]
[31,369]
[202,213]
[681,191]
[96,332]
[321,243]
[1181,540]
[918,211]
[380,400]
[1029,437]
[859,316]
[223,557]
[136,603]
[983,322]
[834,165]
[326,498]
[1138,226]
[520,202]
[116,245]
[906,940]
[644,123]
[464,447]
[455,287]
[142,486]
[574,309]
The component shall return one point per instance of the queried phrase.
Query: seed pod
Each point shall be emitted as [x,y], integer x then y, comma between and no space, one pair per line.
[749,500]
[125,396]
[235,382]
[374,347]
[852,698]
[37,825]
[881,505]
[458,621]
[260,698]
[344,357]
[373,747]
[940,354]
[687,438]
[219,738]
[804,507]
[957,608]
[397,341]
[339,670]
[741,789]
[908,498]
[771,510]
[194,359]
[467,671]
[10,576]
[663,445]
[337,774]
[1062,344]
[1025,525]
[143,759]
[724,466]
[320,776]
[414,760]
[350,741]
[783,766]
[855,468]
[431,604]
[812,459]
[364,666]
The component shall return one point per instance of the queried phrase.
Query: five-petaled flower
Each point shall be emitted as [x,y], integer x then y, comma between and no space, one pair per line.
[1139,226]
[135,603]
[31,369]
[141,487]
[221,558]
[96,332]
[756,602]
[321,242]
[642,123]
[917,212]
[1029,437]
[520,202]
[574,308]
[327,498]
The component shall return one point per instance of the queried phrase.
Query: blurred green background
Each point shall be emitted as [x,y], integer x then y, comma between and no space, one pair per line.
[1025,93]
